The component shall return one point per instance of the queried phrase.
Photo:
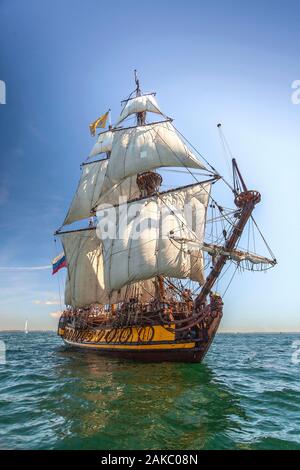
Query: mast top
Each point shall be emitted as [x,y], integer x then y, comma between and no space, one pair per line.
[137,82]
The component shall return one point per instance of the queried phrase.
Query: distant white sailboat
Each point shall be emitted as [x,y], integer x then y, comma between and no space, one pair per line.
[26,327]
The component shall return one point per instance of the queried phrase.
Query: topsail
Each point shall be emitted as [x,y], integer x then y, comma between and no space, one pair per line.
[139,104]
[147,147]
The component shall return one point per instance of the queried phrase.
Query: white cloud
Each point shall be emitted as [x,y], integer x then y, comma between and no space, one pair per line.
[24,268]
[55,314]
[46,302]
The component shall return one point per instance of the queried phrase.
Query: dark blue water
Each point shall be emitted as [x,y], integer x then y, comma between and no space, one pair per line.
[246,395]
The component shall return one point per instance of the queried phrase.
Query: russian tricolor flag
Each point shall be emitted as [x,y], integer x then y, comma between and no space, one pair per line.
[58,263]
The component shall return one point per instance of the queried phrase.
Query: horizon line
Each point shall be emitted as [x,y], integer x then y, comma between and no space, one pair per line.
[17,330]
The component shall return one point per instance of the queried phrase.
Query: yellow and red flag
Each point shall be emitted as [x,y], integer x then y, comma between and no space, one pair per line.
[100,122]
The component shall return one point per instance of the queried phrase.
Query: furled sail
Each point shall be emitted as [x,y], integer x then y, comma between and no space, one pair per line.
[142,247]
[144,148]
[94,187]
[85,282]
[103,144]
[139,104]
[216,250]
[237,255]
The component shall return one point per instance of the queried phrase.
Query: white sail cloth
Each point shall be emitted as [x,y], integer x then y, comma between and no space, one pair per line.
[144,148]
[94,187]
[139,105]
[143,248]
[85,279]
[103,144]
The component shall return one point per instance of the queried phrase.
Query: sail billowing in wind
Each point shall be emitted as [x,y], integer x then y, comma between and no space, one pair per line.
[139,104]
[145,148]
[143,248]
[85,278]
[85,282]
[103,144]
[89,189]
[134,150]
[94,188]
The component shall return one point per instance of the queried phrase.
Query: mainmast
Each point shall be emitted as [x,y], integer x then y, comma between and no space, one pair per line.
[148,182]
[246,201]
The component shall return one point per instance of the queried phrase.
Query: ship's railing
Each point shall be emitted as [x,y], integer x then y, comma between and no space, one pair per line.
[133,314]
[115,327]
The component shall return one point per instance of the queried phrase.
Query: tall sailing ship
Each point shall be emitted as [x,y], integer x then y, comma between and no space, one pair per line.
[141,272]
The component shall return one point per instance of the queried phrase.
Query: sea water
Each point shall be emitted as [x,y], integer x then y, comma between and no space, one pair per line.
[245,395]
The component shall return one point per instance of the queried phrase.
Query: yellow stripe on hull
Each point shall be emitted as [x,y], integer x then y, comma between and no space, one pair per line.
[134,347]
[142,334]
[145,343]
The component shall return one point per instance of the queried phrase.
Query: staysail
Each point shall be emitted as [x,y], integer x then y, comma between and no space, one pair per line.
[142,247]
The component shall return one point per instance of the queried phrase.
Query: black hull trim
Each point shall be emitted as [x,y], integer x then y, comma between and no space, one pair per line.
[156,355]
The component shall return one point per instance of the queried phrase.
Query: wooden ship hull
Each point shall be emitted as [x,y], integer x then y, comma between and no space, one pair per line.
[148,343]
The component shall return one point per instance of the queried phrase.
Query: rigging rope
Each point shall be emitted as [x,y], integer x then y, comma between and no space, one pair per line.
[226,149]
[263,238]
[206,161]
[231,279]
[189,171]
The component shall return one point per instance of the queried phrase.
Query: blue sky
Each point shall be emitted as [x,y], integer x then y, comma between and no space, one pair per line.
[65,62]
